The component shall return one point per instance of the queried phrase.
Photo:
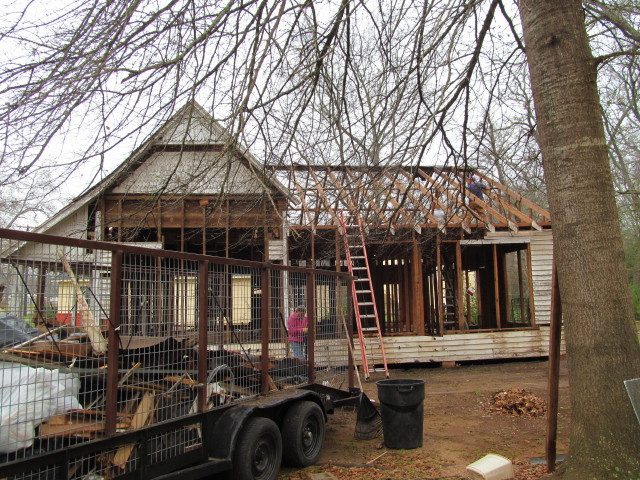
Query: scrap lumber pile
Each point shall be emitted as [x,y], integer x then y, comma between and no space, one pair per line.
[517,402]
[157,381]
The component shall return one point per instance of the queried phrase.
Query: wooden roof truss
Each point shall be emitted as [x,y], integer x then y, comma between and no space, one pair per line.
[399,197]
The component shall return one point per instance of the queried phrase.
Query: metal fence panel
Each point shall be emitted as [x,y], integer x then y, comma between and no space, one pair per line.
[99,341]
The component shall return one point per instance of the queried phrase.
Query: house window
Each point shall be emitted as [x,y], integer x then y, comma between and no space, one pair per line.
[241,299]
[185,302]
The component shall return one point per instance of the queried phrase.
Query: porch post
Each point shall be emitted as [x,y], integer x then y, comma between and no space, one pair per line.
[418,292]
[439,284]
[459,285]
[496,285]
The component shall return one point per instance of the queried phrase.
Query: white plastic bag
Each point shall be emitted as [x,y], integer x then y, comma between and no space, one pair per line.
[28,397]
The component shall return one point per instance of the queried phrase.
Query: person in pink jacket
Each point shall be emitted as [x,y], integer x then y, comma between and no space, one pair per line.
[297,326]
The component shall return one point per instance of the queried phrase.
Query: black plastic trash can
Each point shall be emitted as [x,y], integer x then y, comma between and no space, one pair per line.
[402,404]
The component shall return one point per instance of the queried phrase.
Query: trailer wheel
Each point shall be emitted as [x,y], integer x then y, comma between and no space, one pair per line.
[302,434]
[258,451]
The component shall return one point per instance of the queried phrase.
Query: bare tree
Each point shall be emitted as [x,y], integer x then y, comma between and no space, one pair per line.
[602,346]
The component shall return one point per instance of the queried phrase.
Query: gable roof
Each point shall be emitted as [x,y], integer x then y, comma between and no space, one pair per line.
[191,128]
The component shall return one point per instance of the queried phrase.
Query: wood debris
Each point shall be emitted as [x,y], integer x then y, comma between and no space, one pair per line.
[517,402]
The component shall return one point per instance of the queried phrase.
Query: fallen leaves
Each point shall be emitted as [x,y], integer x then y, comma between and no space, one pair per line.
[517,402]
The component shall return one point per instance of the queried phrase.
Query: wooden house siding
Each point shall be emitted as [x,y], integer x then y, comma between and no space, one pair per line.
[462,347]
[198,129]
[466,346]
[541,269]
[72,226]
[193,173]
[541,244]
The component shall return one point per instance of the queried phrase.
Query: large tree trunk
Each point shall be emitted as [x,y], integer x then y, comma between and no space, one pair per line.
[602,343]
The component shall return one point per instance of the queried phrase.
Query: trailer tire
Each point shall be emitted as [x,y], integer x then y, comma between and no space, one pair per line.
[258,451]
[302,434]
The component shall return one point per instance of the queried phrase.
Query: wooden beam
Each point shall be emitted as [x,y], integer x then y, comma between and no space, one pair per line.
[418,292]
[434,200]
[265,233]
[480,290]
[372,203]
[496,286]
[514,211]
[103,220]
[120,220]
[159,222]
[505,289]
[532,308]
[467,297]
[461,221]
[463,191]
[204,229]
[405,190]
[520,285]
[439,284]
[324,199]
[398,208]
[353,209]
[536,208]
[459,286]
[182,226]
[406,289]
[305,207]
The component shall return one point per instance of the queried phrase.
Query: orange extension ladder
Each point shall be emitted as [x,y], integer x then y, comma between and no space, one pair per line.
[364,303]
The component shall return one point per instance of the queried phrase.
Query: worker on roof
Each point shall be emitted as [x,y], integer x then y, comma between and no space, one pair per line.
[476,188]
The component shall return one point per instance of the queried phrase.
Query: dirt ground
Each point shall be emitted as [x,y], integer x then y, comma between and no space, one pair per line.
[458,427]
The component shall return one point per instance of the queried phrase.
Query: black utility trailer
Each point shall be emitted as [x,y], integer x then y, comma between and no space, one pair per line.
[154,364]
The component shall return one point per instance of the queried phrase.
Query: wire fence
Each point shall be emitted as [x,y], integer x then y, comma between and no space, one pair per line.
[103,341]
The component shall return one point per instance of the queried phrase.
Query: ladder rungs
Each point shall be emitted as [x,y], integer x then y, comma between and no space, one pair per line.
[369,329]
[375,370]
[362,279]
[365,304]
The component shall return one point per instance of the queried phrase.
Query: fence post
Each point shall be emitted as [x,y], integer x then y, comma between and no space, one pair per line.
[265,327]
[113,360]
[203,315]
[311,327]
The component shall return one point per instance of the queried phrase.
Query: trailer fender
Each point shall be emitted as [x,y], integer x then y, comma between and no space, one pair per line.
[222,435]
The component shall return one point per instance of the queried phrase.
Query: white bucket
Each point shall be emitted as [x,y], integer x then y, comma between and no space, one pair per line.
[491,467]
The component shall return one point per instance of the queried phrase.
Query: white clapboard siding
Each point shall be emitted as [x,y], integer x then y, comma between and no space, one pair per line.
[541,270]
[410,349]
[278,250]
[541,266]
[73,226]
[469,346]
